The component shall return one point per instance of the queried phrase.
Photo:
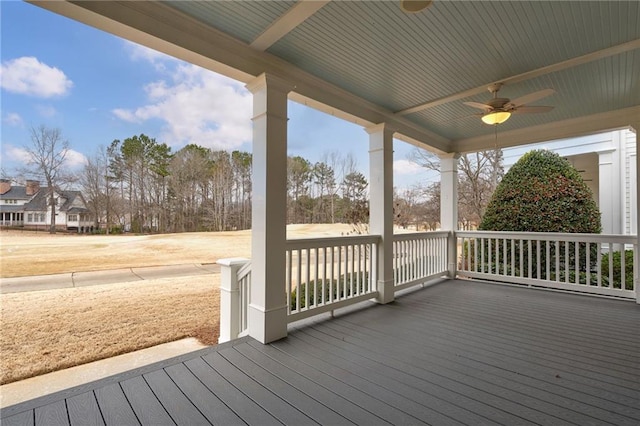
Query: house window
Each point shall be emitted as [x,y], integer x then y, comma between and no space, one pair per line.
[30,217]
[11,201]
[73,218]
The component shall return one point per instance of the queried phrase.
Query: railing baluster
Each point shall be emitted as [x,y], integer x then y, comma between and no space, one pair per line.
[529,259]
[566,261]
[504,256]
[576,259]
[623,261]
[299,282]
[557,256]
[588,265]
[538,266]
[333,274]
[289,279]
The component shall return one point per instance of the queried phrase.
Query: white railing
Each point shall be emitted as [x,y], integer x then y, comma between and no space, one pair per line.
[323,274]
[418,257]
[588,263]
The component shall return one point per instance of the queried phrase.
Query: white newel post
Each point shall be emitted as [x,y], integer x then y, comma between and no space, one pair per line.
[449,205]
[230,298]
[267,314]
[381,205]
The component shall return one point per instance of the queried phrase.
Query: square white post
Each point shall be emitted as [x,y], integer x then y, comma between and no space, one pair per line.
[267,314]
[636,254]
[381,205]
[449,206]
[230,298]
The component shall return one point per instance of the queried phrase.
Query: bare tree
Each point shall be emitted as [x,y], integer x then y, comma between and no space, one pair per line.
[47,154]
[478,176]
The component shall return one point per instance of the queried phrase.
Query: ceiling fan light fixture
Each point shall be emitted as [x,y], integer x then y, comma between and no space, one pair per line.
[496,117]
[414,6]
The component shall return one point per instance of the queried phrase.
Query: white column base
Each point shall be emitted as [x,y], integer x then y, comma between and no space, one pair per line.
[386,291]
[276,319]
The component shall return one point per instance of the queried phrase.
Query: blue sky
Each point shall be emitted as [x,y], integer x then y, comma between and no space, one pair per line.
[96,87]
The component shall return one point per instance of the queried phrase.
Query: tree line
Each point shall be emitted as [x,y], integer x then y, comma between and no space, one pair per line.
[140,185]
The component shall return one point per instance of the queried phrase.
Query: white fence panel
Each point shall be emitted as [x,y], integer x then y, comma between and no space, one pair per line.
[323,274]
[419,257]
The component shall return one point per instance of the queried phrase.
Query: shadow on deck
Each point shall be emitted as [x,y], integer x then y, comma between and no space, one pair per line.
[454,353]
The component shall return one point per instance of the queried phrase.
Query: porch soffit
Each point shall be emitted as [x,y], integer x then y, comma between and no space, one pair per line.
[369,61]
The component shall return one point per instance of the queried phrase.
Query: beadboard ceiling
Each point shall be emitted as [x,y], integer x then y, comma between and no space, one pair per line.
[370,62]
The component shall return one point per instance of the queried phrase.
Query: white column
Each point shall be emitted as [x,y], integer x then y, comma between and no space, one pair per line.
[610,191]
[449,204]
[636,272]
[267,315]
[230,298]
[381,205]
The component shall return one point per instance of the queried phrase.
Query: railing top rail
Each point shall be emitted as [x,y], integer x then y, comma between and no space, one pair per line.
[300,243]
[419,235]
[552,236]
[244,271]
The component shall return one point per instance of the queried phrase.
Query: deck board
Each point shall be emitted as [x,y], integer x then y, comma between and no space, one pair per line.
[114,406]
[84,411]
[207,402]
[454,353]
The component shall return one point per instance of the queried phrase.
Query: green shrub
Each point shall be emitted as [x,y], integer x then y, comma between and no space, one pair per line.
[542,192]
[340,290]
[617,269]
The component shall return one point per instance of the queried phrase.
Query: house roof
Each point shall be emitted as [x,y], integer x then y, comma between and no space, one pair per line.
[11,208]
[39,201]
[15,193]
[371,63]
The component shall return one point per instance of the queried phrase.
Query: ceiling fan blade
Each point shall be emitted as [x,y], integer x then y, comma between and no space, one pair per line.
[531,109]
[531,97]
[478,105]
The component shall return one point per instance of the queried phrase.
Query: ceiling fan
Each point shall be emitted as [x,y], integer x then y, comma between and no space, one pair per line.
[498,110]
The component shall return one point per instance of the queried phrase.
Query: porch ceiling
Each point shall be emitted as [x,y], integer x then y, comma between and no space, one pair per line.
[371,62]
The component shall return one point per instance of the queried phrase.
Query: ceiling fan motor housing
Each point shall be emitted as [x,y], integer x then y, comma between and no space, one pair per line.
[497,103]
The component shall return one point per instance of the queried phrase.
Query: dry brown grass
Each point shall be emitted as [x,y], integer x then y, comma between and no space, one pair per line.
[50,330]
[46,331]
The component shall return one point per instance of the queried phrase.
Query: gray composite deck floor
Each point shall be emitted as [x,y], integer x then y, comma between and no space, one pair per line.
[454,353]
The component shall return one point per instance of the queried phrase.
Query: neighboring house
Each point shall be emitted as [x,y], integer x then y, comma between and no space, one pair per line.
[607,163]
[28,207]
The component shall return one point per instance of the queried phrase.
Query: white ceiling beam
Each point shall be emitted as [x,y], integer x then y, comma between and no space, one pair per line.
[286,23]
[563,129]
[569,63]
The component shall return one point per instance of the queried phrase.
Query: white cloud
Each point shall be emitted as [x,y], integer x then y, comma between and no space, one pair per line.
[75,159]
[407,167]
[28,76]
[17,154]
[126,115]
[197,106]
[13,119]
